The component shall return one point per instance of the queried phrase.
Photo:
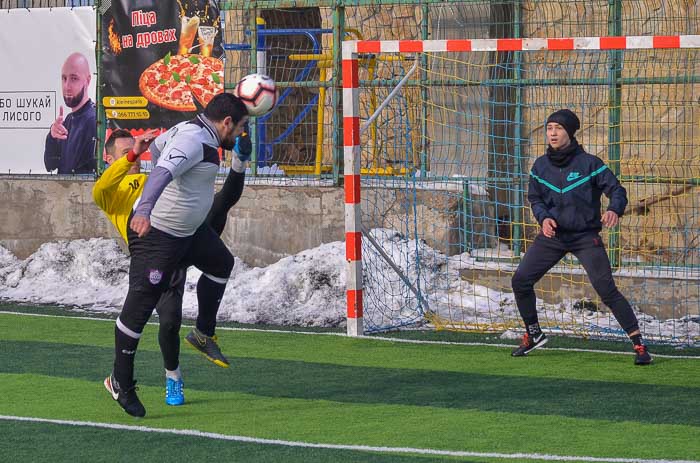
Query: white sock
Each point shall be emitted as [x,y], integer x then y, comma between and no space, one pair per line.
[174,375]
[237,165]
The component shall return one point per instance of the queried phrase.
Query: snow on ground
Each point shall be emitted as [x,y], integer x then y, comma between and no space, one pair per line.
[308,289]
[91,273]
[305,289]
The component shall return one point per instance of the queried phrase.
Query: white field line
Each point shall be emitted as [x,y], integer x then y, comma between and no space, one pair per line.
[371,338]
[359,448]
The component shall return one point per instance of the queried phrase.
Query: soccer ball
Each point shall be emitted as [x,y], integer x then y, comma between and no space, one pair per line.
[258,92]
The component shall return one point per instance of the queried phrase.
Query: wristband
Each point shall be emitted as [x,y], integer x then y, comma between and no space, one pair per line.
[131,156]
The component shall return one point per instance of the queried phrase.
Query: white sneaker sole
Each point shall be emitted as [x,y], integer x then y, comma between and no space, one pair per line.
[537,346]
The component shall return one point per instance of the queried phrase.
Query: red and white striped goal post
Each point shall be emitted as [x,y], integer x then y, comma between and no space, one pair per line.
[351,117]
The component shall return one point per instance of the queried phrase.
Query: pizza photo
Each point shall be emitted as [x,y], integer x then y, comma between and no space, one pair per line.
[180,82]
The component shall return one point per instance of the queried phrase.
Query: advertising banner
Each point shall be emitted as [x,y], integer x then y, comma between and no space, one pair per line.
[47,91]
[161,62]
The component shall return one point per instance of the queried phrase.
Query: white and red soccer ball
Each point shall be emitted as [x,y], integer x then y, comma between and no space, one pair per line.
[258,92]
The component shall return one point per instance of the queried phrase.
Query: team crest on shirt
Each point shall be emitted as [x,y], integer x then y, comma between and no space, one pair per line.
[154,276]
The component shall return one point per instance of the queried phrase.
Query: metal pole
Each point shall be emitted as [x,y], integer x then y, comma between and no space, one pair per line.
[351,185]
[388,99]
[518,185]
[424,97]
[338,34]
[101,119]
[253,25]
[614,109]
[261,67]
[416,292]
[558,82]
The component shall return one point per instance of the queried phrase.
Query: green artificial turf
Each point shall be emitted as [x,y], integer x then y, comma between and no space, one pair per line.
[337,390]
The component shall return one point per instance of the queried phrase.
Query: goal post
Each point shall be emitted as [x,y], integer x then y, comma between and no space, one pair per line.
[351,164]
[457,235]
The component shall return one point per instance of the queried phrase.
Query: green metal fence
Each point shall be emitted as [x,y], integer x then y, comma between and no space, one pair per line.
[472,123]
[451,152]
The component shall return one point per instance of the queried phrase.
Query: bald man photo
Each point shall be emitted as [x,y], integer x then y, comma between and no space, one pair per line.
[70,144]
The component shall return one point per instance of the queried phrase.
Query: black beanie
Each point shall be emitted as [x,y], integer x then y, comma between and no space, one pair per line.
[567,119]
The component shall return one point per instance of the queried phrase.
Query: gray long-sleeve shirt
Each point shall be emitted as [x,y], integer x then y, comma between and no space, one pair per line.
[189,153]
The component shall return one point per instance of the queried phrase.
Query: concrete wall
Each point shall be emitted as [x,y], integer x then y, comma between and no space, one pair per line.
[34,212]
[662,297]
[268,223]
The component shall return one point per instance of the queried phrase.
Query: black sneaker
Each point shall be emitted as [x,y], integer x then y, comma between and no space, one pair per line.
[207,346]
[529,344]
[641,355]
[126,398]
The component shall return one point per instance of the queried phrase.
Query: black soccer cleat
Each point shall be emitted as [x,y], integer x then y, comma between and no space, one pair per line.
[126,398]
[641,355]
[207,346]
[529,344]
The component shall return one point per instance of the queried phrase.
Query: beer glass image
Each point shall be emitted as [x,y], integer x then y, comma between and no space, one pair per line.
[206,39]
[187,32]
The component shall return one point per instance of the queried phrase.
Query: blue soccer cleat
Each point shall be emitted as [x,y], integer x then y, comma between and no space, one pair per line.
[174,391]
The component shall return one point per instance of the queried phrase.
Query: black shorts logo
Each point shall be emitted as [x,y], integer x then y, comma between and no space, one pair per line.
[155,276]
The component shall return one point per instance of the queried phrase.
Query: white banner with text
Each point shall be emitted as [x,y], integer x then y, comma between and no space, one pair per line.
[47,91]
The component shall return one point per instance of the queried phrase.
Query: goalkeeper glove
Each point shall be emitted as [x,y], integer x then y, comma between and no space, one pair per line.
[243,147]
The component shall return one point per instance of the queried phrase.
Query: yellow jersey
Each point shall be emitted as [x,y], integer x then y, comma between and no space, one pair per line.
[116,191]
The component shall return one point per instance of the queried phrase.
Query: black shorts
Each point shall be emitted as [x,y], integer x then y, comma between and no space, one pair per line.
[154,258]
[157,255]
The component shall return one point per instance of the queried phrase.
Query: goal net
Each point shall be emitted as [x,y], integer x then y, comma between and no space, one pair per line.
[439,139]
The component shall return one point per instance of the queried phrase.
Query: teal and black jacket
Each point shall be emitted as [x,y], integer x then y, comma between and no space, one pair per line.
[571,194]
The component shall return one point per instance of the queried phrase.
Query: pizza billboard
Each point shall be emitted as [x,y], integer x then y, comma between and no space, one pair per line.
[45,76]
[161,62]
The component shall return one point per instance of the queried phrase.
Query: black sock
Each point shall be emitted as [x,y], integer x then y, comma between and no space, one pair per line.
[125,351]
[169,341]
[533,329]
[636,339]
[224,200]
[209,294]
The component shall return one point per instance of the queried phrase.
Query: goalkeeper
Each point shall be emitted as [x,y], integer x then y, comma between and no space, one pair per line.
[564,193]
[116,192]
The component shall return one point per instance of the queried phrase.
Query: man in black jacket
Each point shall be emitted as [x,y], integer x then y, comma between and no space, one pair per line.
[564,193]
[70,144]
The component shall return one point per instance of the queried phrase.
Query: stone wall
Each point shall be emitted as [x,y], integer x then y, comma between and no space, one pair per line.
[268,223]
[664,298]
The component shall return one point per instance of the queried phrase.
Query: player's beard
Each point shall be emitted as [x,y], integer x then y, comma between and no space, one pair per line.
[75,100]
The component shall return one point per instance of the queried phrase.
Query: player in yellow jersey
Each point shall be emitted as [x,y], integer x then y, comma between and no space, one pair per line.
[116,193]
